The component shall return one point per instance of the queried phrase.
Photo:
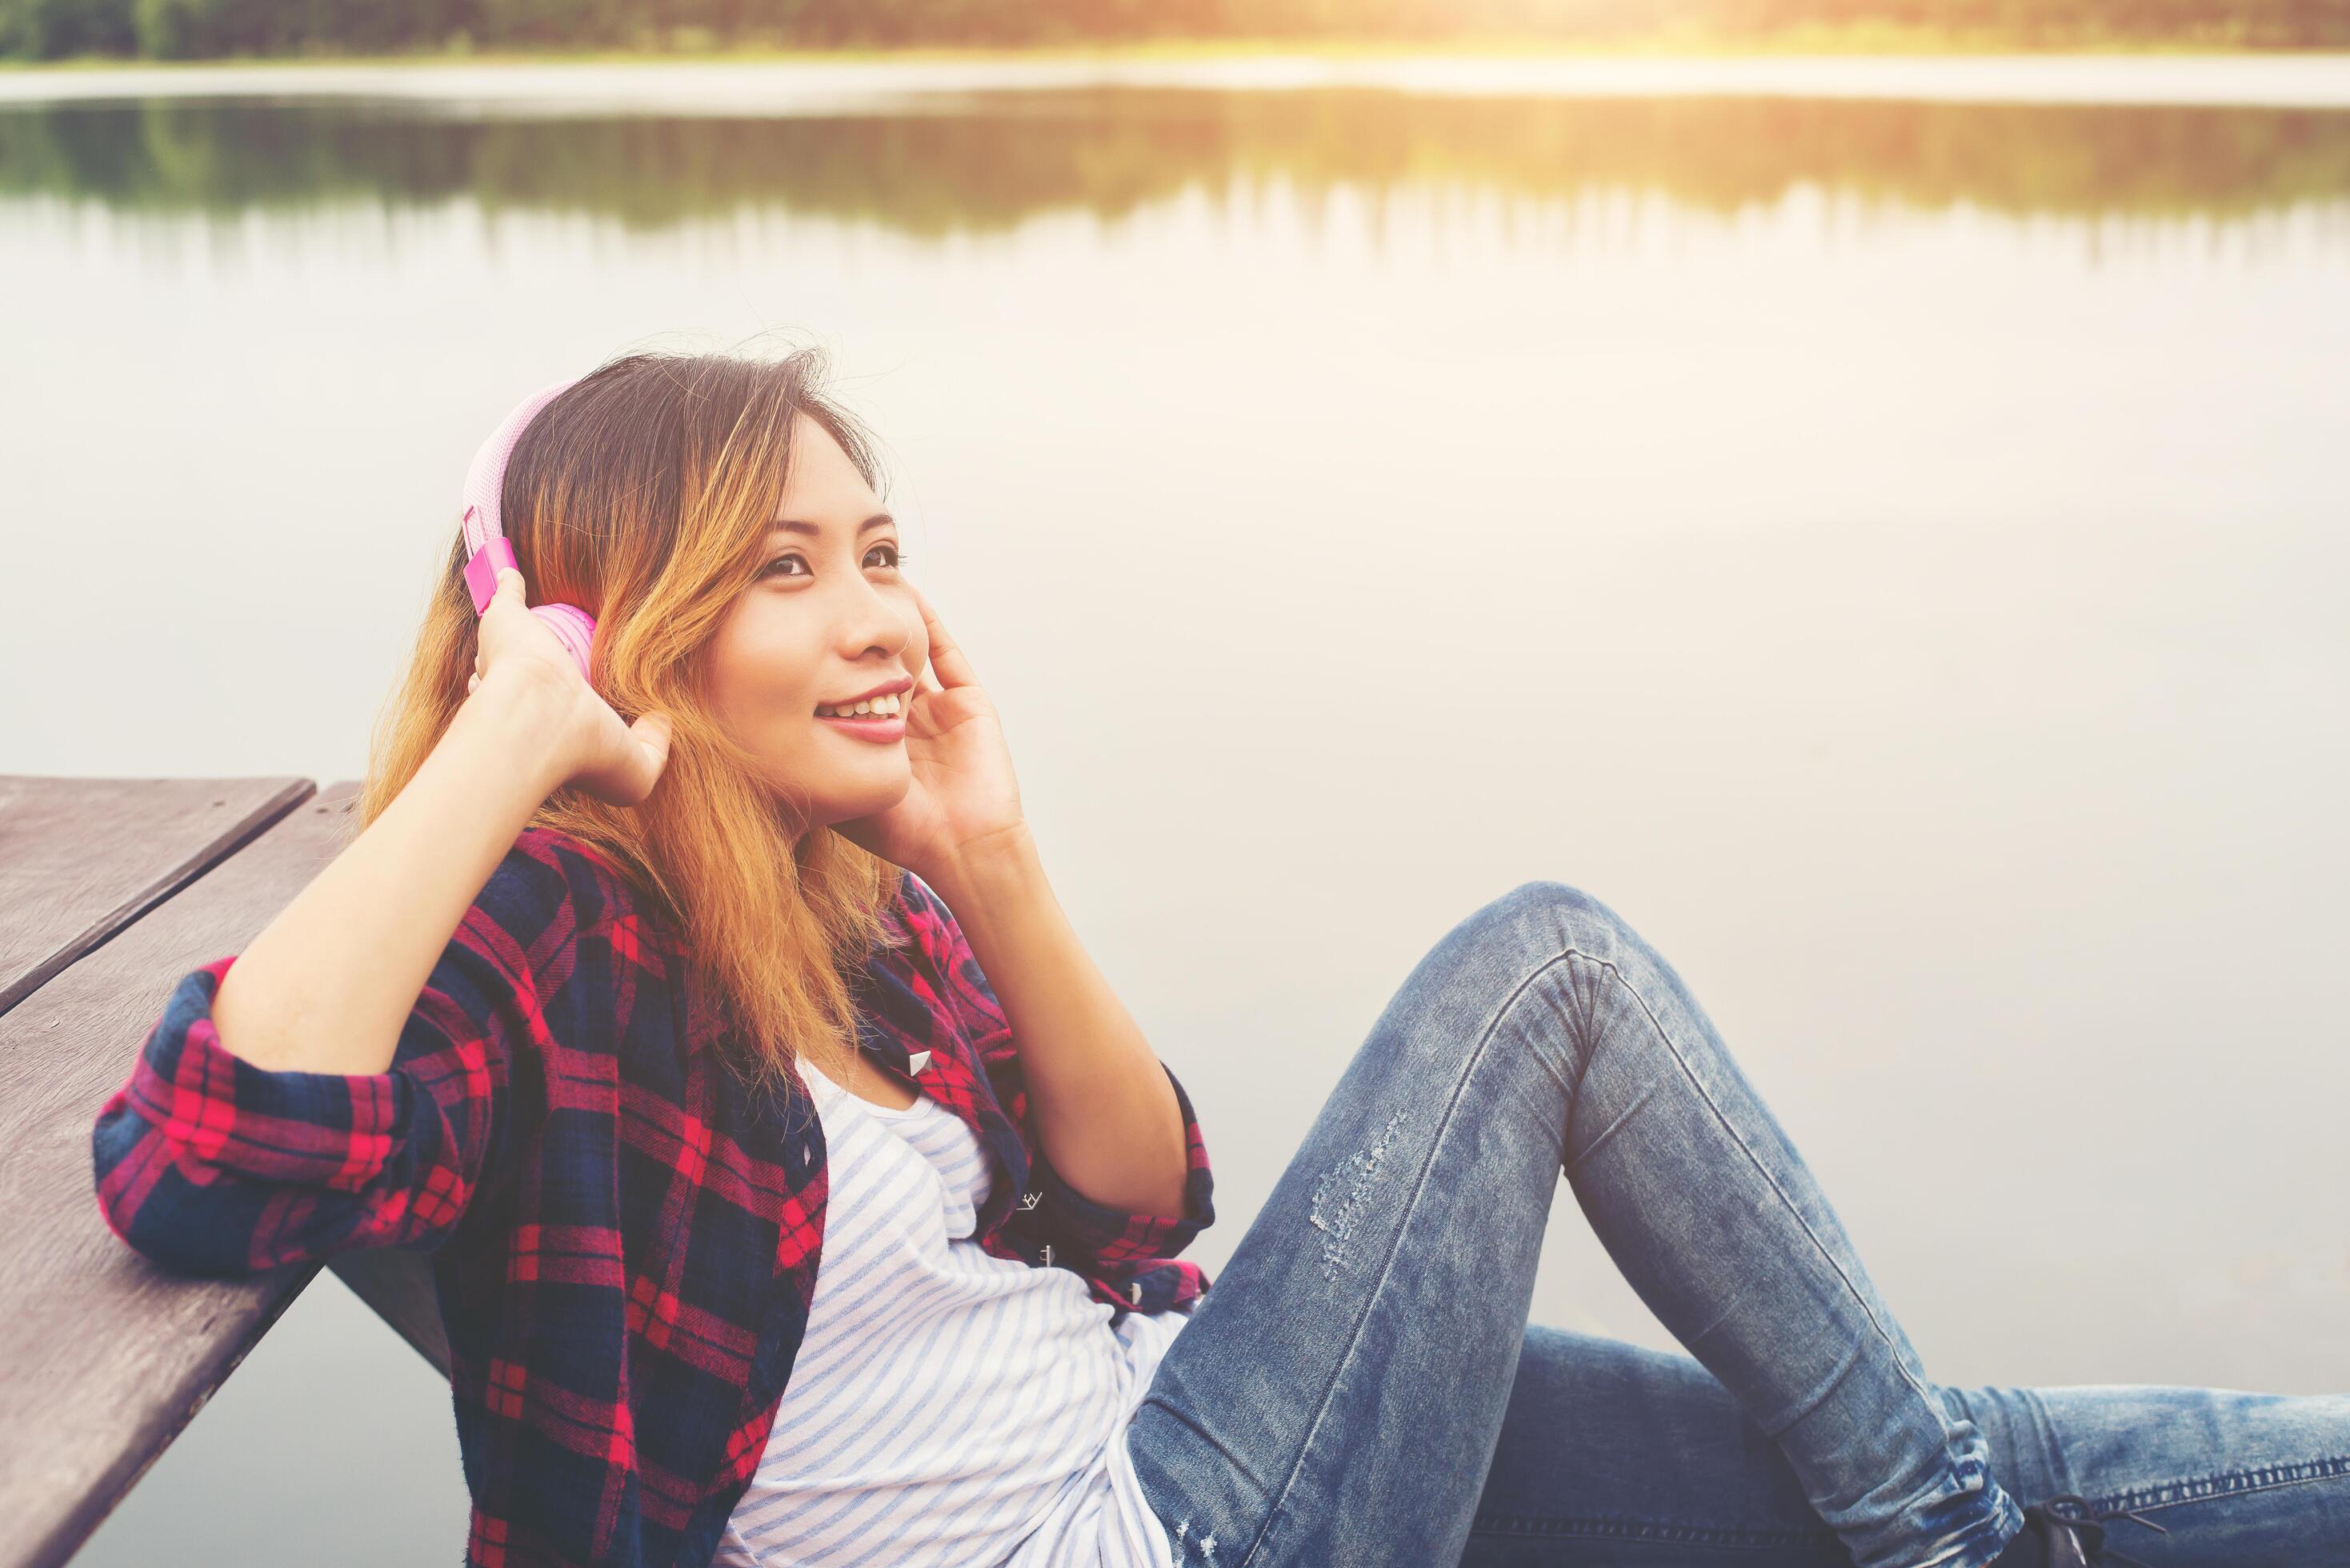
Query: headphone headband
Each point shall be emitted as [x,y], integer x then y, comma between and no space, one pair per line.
[487,549]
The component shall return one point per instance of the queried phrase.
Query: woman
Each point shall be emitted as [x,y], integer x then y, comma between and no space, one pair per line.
[798,1191]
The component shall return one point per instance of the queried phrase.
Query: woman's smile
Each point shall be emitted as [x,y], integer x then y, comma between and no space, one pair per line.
[882,728]
[879,715]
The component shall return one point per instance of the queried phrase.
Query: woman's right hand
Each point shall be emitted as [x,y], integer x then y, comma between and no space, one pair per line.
[330,984]
[607,757]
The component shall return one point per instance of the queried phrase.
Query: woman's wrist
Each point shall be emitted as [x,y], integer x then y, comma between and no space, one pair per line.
[326,985]
[518,714]
[1000,862]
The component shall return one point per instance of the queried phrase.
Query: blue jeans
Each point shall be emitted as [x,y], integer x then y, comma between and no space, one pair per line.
[1361,1387]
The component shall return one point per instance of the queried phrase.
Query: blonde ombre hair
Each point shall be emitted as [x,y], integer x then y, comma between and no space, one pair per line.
[644,495]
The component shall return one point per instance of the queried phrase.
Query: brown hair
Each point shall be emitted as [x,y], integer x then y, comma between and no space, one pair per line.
[642,494]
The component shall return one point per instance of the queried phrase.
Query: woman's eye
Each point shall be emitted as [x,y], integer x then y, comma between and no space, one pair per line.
[888,554]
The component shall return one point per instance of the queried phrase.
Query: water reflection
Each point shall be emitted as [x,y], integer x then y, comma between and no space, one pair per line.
[979,162]
[1925,627]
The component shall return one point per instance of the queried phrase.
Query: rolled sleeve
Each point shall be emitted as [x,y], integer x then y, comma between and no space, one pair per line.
[1115,1238]
[1129,1259]
[210,1164]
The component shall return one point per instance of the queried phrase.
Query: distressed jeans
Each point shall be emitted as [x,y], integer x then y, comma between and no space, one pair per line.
[1360,1388]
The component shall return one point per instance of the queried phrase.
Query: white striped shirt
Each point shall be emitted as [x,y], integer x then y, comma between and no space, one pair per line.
[948,1408]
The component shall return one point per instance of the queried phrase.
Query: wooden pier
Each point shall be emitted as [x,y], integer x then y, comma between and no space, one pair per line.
[111,889]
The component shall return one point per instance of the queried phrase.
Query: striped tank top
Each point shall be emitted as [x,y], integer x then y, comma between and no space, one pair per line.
[948,1408]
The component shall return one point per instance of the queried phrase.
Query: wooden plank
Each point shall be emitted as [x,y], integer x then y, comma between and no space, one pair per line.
[82,858]
[109,1356]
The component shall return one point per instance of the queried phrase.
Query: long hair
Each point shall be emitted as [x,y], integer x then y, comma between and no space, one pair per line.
[644,495]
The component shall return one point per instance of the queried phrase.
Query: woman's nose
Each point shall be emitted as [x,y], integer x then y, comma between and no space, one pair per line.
[873,623]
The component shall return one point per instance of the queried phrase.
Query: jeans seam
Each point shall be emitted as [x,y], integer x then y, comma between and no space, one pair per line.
[1386,1267]
[2044,1428]
[1664,1034]
[1525,1526]
[2263,1478]
[1931,1402]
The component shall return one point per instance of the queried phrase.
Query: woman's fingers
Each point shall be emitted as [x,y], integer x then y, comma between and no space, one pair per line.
[509,586]
[626,760]
[946,654]
[505,599]
[630,776]
[652,733]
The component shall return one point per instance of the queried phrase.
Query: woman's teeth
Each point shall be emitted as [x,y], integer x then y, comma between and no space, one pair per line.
[874,707]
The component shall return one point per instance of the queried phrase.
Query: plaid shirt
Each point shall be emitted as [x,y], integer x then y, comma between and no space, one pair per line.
[624,1238]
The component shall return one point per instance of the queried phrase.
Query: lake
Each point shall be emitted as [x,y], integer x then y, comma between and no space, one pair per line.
[1880,524]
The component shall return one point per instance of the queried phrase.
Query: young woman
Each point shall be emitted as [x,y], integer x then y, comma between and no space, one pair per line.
[798,1191]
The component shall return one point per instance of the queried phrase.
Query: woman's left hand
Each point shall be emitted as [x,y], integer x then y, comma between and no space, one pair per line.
[964,796]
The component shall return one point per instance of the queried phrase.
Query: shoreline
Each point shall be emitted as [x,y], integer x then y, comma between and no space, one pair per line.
[803,84]
[1859,44]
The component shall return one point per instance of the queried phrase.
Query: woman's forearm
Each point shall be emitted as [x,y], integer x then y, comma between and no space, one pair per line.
[328,984]
[1103,1106]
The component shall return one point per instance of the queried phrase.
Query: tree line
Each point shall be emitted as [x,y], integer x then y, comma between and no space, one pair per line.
[179,29]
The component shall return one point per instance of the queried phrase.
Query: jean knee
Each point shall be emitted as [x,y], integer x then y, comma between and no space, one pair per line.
[1579,986]
[1509,943]
[1538,921]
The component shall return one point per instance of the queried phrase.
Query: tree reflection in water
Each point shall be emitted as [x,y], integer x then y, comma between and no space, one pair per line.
[982,162]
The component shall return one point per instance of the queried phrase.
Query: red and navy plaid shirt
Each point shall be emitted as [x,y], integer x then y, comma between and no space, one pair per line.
[625,1239]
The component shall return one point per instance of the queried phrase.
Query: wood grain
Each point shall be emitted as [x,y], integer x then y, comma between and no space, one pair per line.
[111,1357]
[81,859]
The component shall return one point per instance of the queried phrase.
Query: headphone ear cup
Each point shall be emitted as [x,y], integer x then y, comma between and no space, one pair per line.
[574,627]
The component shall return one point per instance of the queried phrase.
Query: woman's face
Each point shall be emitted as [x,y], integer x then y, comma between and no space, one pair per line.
[830,619]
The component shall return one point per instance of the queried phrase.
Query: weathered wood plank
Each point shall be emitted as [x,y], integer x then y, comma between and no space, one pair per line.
[82,858]
[108,1355]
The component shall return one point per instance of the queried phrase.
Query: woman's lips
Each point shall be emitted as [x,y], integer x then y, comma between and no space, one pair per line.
[871,727]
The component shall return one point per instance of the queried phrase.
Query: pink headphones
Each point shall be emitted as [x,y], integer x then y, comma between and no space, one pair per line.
[485,536]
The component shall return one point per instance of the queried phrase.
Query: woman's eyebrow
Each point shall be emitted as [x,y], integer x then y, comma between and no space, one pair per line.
[795,525]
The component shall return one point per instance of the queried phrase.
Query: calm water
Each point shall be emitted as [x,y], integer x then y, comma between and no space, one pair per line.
[1881,530]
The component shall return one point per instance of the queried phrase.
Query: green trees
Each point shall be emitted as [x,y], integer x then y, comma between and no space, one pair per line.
[46,30]
[183,29]
[178,30]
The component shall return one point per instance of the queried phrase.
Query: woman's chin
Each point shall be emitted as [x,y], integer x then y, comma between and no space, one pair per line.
[867,797]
